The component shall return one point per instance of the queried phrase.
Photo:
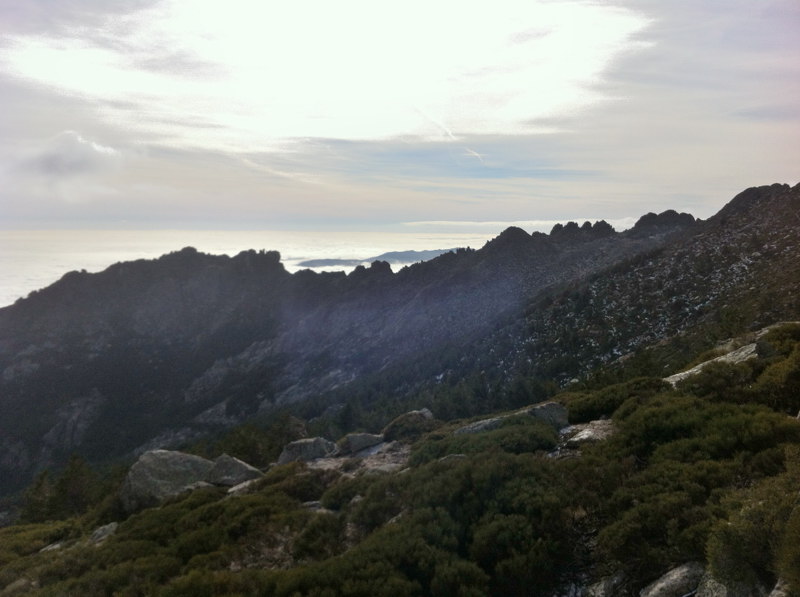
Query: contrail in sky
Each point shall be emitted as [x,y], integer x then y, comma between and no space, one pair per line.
[447,132]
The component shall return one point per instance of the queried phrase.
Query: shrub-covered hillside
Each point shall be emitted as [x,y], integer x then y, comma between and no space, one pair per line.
[706,473]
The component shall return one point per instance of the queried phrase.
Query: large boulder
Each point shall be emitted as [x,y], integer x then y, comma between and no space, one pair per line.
[712,587]
[606,587]
[355,442]
[306,449]
[480,426]
[677,582]
[161,474]
[229,471]
[410,425]
[102,533]
[782,589]
[739,355]
[552,413]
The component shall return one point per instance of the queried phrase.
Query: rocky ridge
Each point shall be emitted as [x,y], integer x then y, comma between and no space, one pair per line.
[157,353]
[154,354]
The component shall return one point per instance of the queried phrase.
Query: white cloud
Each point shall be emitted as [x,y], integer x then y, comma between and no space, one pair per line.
[348,70]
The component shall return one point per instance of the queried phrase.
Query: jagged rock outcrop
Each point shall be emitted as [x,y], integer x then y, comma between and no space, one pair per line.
[588,231]
[161,474]
[307,449]
[229,471]
[667,220]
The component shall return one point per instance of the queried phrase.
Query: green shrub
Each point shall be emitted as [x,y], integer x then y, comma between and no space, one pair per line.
[782,339]
[409,427]
[788,560]
[602,403]
[758,537]
[721,381]
[779,385]
[198,541]
[321,538]
[516,435]
[341,493]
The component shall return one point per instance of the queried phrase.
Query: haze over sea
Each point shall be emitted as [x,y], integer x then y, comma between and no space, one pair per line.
[31,260]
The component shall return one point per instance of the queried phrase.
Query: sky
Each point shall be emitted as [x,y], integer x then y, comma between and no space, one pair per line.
[408,115]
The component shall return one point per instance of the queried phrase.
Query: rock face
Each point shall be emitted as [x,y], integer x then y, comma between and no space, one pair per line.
[161,474]
[307,449]
[229,471]
[677,582]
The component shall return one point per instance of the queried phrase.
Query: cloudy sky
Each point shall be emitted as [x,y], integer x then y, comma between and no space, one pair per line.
[260,114]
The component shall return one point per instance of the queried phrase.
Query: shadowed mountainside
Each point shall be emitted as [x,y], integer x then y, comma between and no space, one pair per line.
[155,353]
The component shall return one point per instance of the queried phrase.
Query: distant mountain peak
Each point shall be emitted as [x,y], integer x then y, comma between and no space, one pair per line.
[666,219]
[586,231]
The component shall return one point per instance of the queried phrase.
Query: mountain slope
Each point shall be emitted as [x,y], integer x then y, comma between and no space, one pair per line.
[738,269]
[153,353]
[156,352]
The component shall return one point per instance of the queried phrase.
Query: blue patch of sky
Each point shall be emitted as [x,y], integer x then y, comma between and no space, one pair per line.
[446,160]
[766,113]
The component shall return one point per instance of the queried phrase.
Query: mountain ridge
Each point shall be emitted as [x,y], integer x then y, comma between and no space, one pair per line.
[159,352]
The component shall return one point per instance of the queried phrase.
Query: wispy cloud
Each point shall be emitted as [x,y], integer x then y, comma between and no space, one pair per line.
[69,154]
